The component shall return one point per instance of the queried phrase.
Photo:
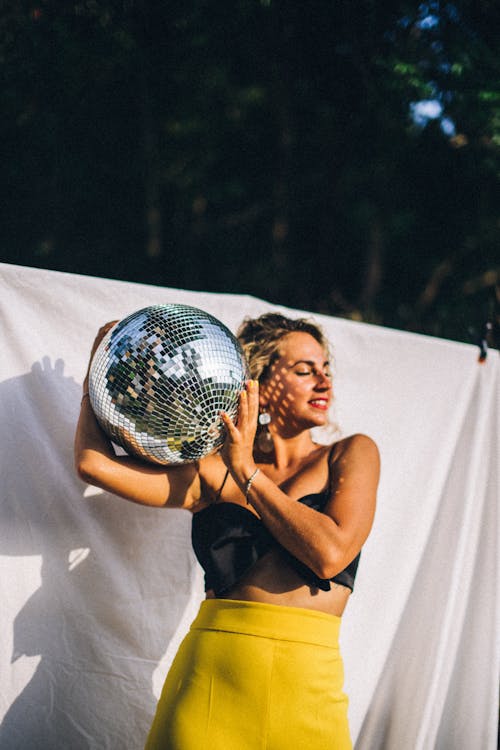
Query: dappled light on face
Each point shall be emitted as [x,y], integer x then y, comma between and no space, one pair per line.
[283,413]
[278,400]
[275,397]
[297,390]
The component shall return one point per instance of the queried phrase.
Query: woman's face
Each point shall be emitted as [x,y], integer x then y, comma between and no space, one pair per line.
[298,391]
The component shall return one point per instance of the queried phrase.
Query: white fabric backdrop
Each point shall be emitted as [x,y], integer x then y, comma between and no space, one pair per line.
[96,593]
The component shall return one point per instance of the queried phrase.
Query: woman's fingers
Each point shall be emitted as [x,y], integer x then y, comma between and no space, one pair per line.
[247,412]
[253,402]
[104,329]
[101,334]
[238,445]
[242,416]
[248,407]
[229,425]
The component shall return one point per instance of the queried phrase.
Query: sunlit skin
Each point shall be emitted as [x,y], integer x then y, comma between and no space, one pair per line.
[297,395]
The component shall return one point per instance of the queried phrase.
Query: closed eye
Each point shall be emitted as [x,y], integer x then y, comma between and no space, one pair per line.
[304,373]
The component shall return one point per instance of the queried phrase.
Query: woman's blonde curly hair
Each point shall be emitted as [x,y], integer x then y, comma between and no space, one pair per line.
[260,339]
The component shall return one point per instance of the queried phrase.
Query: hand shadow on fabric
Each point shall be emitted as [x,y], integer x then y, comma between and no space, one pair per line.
[116,579]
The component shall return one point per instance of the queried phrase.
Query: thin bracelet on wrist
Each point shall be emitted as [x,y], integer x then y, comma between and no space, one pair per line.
[249,484]
[85,393]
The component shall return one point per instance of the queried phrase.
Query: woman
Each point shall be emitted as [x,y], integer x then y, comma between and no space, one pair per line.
[278,525]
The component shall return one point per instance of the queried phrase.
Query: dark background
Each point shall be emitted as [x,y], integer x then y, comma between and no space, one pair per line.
[336,156]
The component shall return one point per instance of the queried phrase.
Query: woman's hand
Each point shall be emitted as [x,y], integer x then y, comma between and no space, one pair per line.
[237,451]
[100,335]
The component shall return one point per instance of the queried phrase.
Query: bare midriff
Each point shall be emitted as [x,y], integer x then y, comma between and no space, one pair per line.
[271,581]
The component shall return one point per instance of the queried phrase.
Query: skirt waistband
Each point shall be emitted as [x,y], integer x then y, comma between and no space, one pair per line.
[269,621]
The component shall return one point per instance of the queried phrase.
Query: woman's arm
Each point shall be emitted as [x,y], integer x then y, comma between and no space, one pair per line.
[328,541]
[96,463]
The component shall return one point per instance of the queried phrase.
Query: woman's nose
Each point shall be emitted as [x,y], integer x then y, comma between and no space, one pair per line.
[322,380]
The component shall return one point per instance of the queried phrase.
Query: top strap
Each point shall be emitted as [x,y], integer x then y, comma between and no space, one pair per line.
[219,491]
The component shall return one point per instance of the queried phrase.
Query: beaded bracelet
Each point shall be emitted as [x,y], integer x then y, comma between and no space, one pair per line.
[249,483]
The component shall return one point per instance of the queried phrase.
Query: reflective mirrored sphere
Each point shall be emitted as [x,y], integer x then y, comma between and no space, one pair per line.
[160,378]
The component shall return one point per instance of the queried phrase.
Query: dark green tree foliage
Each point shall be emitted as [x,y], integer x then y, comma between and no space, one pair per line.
[334,156]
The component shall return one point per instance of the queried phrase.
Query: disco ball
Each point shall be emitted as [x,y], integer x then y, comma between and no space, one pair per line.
[160,378]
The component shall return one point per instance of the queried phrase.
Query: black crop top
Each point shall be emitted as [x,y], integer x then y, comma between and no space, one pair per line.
[228,539]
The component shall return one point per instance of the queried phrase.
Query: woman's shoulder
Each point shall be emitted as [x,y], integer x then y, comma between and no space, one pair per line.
[358,446]
[355,468]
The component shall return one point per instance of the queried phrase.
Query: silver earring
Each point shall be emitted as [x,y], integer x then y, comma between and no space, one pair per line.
[264,438]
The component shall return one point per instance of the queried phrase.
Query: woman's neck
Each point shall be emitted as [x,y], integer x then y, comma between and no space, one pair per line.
[289,451]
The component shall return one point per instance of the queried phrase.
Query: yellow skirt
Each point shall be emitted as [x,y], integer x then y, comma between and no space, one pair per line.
[250,676]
